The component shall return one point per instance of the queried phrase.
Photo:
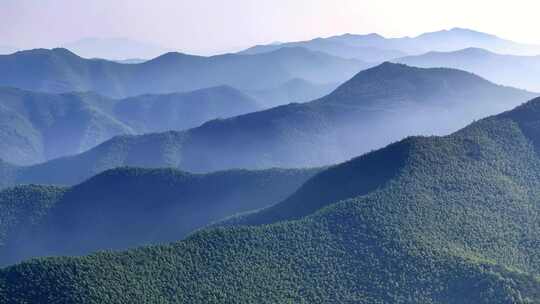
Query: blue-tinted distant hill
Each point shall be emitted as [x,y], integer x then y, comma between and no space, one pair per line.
[59,71]
[376,48]
[36,127]
[295,90]
[335,47]
[374,108]
[517,71]
[439,220]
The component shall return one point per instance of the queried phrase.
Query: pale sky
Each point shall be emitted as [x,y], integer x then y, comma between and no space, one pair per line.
[209,26]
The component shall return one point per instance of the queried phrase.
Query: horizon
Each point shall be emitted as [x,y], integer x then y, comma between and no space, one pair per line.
[208,28]
[217,53]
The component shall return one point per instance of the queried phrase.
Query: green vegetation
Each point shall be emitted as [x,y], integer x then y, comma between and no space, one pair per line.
[451,219]
[23,207]
[129,207]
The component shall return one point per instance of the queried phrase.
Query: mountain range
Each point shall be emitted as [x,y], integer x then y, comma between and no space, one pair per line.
[377,106]
[335,47]
[517,71]
[415,180]
[127,207]
[376,48]
[61,71]
[449,219]
[36,127]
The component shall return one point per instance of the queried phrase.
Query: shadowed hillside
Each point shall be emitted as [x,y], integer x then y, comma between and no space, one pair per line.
[36,127]
[130,207]
[449,220]
[517,71]
[374,108]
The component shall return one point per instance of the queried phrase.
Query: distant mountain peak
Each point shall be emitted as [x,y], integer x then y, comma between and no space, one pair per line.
[370,35]
[395,81]
[457,31]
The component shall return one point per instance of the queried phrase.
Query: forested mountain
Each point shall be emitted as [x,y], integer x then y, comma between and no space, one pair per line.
[376,48]
[376,107]
[36,127]
[449,219]
[128,207]
[60,71]
[517,71]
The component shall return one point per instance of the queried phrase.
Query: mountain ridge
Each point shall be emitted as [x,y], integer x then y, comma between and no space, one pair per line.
[511,70]
[366,113]
[443,40]
[41,126]
[59,71]
[127,207]
[457,224]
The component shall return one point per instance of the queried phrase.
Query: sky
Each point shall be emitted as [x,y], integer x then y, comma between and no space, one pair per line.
[214,26]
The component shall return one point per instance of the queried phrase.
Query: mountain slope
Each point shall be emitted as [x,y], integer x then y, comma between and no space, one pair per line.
[455,221]
[60,71]
[129,207]
[179,111]
[376,107]
[294,90]
[36,127]
[516,71]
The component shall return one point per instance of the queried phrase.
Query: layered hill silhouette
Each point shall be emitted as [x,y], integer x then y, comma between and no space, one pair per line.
[129,207]
[517,71]
[60,71]
[374,108]
[36,127]
[376,48]
[449,219]
[335,47]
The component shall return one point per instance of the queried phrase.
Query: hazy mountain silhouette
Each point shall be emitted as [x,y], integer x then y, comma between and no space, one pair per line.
[59,71]
[35,127]
[374,47]
[294,90]
[130,207]
[335,48]
[374,108]
[449,219]
[517,71]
